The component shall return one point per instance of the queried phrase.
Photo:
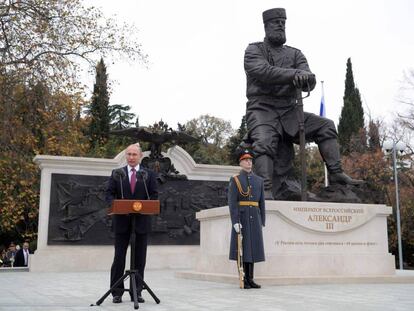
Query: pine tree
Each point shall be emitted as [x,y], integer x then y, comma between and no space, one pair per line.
[121,117]
[351,120]
[99,108]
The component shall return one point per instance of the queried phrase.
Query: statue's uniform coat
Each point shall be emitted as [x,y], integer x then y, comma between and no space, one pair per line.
[271,95]
[252,218]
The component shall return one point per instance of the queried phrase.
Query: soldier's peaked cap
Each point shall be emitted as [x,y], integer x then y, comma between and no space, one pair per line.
[273,13]
[245,154]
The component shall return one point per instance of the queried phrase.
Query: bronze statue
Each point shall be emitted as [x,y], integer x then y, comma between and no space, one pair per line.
[274,72]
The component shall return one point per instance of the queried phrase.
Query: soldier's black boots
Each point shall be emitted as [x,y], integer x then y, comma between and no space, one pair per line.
[248,276]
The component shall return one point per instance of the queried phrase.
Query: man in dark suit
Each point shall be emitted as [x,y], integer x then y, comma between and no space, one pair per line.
[22,256]
[128,183]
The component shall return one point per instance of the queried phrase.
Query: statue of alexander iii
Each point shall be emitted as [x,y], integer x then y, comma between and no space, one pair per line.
[274,71]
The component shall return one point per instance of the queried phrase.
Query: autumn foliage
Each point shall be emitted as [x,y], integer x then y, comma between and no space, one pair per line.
[38,122]
[375,167]
[44,45]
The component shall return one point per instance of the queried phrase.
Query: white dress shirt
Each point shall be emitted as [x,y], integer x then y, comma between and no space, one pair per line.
[26,256]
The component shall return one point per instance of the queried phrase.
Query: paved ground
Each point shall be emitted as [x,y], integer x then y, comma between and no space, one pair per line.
[29,291]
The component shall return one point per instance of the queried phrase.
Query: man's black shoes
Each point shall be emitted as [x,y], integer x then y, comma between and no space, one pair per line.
[117,299]
[139,299]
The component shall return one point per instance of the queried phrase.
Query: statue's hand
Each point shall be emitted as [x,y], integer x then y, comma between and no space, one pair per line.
[311,80]
[300,79]
[303,80]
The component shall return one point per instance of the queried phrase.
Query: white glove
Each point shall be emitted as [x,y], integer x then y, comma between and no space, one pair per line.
[237,227]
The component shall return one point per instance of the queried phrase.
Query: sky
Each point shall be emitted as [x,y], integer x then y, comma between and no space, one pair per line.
[196,51]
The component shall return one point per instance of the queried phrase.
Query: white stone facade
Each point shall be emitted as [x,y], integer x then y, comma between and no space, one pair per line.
[89,258]
[302,239]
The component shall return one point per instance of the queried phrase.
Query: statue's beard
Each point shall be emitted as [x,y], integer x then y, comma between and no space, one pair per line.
[276,37]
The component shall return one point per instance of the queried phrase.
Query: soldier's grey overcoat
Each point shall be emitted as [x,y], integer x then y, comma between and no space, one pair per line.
[252,218]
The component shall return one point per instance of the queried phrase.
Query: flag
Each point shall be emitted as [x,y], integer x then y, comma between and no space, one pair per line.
[322,110]
[322,113]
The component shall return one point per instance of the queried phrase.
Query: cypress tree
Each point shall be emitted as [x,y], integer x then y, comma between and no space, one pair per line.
[373,135]
[99,112]
[351,120]
[235,140]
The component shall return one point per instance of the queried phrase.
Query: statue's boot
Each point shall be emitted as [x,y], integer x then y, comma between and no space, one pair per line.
[329,150]
[343,179]
[263,167]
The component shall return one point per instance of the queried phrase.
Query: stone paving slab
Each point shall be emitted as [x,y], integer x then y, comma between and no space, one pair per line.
[405,276]
[76,291]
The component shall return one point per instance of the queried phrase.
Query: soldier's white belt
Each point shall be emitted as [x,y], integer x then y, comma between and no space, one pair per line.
[249,203]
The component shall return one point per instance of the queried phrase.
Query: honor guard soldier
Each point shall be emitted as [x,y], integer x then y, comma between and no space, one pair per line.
[247,212]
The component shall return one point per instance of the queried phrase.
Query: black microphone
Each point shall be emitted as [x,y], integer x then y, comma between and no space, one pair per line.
[120,173]
[144,175]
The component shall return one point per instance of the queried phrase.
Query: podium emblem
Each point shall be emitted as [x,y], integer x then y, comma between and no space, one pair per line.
[136,206]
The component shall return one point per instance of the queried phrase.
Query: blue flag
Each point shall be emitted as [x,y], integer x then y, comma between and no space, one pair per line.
[322,110]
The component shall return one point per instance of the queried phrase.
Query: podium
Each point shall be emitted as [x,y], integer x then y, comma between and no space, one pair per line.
[133,207]
[145,207]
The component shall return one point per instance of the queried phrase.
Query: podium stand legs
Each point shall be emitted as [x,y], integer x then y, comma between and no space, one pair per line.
[133,274]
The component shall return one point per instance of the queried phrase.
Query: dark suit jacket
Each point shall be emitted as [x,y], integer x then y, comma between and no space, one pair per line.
[19,259]
[122,223]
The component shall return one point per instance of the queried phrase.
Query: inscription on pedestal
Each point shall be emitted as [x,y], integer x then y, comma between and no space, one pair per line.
[329,219]
[319,243]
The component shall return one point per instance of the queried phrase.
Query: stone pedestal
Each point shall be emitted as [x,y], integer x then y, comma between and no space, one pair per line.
[58,258]
[303,240]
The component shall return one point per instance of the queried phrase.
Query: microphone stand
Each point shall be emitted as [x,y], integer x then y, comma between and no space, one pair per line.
[122,189]
[144,178]
[135,275]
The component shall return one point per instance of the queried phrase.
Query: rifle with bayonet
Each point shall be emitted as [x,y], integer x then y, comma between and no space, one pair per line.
[240,268]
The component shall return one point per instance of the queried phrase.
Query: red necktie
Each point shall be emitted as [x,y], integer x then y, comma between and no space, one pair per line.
[133,180]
